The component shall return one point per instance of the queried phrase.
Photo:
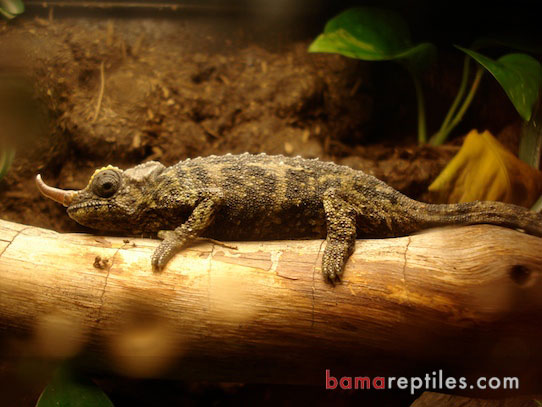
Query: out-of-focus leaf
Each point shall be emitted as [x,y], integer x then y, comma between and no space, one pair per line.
[537,207]
[6,158]
[372,34]
[485,170]
[520,75]
[11,8]
[69,390]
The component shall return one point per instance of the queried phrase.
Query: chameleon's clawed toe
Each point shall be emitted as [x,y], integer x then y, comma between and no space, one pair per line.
[333,279]
[157,267]
[332,276]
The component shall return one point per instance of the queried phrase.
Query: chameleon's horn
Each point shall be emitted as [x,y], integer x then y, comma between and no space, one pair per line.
[57,195]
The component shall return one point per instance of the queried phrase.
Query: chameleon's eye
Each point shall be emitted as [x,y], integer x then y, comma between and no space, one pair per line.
[106,183]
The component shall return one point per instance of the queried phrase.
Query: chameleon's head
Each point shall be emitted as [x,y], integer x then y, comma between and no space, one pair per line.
[112,200]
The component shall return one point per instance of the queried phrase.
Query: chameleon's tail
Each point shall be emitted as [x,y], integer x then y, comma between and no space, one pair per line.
[478,212]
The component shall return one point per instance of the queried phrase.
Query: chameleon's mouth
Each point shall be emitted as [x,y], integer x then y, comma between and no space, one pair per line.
[87,205]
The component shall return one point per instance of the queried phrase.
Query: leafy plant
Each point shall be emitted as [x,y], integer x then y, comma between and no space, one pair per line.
[520,76]
[11,8]
[373,34]
[503,177]
[378,35]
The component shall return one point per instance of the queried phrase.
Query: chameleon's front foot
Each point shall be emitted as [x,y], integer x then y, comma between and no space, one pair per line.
[168,247]
[174,240]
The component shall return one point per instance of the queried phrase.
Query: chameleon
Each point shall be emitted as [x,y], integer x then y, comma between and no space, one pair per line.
[265,197]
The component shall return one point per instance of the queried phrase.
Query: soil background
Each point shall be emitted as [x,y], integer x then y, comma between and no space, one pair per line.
[115,87]
[196,84]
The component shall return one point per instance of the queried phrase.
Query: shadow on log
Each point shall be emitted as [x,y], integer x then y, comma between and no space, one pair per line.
[466,300]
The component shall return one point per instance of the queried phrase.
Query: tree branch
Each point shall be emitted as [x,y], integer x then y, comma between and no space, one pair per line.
[466,299]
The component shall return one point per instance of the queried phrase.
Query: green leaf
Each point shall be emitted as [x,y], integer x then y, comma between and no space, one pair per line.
[69,390]
[11,8]
[520,75]
[372,34]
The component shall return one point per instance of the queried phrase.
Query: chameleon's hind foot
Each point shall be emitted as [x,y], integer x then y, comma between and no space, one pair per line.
[341,236]
[335,256]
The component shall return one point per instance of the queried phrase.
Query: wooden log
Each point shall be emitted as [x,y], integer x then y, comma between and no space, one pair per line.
[467,300]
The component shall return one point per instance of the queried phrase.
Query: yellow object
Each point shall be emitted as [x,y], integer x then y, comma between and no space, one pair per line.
[485,170]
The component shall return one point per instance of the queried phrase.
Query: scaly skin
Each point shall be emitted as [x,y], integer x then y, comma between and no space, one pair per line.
[262,197]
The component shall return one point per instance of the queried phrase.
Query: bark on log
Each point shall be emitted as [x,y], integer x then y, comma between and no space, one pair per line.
[467,300]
